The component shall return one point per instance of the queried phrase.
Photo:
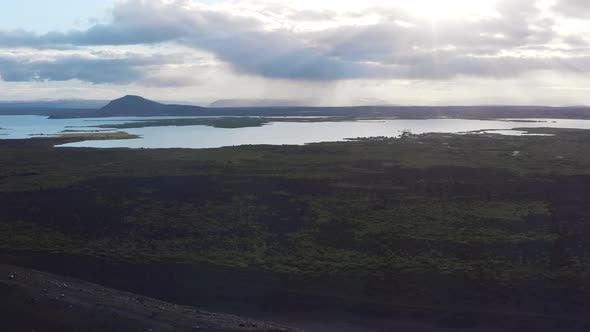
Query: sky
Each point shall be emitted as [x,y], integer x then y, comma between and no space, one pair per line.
[318,52]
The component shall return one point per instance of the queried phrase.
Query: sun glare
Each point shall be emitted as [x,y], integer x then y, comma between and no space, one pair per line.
[437,9]
[431,9]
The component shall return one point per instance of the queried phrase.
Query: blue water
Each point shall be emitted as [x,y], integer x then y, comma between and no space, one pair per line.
[276,133]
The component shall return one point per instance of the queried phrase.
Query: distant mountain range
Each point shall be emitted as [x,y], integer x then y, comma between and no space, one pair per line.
[228,103]
[139,106]
[72,103]
[50,107]
[256,103]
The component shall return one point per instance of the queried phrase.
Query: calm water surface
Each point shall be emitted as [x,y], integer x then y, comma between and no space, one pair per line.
[277,133]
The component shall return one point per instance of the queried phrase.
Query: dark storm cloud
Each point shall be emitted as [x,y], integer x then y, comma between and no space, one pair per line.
[117,71]
[236,40]
[277,55]
[386,49]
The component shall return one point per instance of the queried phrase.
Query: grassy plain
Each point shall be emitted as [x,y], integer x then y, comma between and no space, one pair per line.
[445,206]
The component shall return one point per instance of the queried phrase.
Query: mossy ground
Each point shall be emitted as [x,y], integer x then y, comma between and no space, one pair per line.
[447,204]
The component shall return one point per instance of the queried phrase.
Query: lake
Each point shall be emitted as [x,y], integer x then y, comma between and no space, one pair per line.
[276,133]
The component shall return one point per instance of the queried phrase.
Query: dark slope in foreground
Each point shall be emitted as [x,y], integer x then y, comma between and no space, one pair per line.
[139,106]
[37,301]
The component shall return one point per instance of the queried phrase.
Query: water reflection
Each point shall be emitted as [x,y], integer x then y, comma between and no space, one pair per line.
[274,133]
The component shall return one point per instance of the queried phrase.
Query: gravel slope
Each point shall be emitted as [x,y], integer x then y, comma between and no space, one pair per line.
[37,301]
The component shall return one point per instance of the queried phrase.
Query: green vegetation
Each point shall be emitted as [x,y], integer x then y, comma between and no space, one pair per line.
[234,122]
[67,131]
[436,220]
[228,122]
[450,204]
[97,135]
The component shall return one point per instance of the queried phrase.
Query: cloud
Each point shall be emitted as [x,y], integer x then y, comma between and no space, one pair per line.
[237,40]
[417,48]
[489,67]
[128,69]
[388,40]
[573,8]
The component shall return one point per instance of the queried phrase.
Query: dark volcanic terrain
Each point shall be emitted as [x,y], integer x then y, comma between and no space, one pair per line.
[37,301]
[449,232]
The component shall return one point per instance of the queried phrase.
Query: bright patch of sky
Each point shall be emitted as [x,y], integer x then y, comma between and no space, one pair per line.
[47,15]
